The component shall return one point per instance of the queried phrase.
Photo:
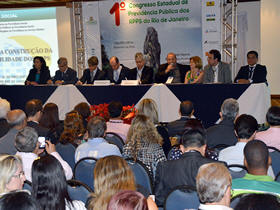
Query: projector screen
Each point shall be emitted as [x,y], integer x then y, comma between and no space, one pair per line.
[24,35]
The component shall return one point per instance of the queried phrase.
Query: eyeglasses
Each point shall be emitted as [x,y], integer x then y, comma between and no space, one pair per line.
[20,175]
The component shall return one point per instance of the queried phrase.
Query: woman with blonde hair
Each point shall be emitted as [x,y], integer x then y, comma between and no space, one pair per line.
[11,173]
[195,75]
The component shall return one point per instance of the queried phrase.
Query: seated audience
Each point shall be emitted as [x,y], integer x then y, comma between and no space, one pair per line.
[148,107]
[117,72]
[213,184]
[84,111]
[195,75]
[39,74]
[253,72]
[271,136]
[92,73]
[64,75]
[258,202]
[173,173]
[144,143]
[115,124]
[11,174]
[257,161]
[176,128]
[5,107]
[216,71]
[223,133]
[49,186]
[96,146]
[141,72]
[28,149]
[17,121]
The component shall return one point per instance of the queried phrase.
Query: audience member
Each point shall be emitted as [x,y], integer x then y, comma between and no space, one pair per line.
[11,174]
[17,121]
[257,161]
[223,133]
[64,75]
[28,149]
[216,71]
[143,143]
[171,69]
[141,72]
[49,186]
[253,72]
[96,146]
[84,110]
[196,74]
[5,107]
[117,72]
[271,136]
[115,124]
[183,171]
[258,202]
[213,184]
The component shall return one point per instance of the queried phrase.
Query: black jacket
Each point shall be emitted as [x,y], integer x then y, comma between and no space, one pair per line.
[44,76]
[259,74]
[177,127]
[70,76]
[161,76]
[99,75]
[124,75]
[146,76]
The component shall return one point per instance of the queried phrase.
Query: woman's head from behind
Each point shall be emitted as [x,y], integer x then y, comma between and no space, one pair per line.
[11,173]
[50,118]
[148,107]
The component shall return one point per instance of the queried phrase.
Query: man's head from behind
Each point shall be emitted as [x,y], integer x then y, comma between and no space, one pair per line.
[273,116]
[16,118]
[193,139]
[115,109]
[4,108]
[245,127]
[186,108]
[26,140]
[229,109]
[96,127]
[213,184]
[33,108]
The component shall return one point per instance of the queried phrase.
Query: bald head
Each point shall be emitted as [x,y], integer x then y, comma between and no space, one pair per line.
[16,117]
[171,58]
[114,63]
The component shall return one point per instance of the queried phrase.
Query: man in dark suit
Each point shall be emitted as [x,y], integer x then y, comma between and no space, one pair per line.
[142,73]
[253,72]
[173,173]
[64,75]
[171,69]
[117,72]
[92,73]
[5,107]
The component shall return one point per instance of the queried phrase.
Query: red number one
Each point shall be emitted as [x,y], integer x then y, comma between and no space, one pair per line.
[116,9]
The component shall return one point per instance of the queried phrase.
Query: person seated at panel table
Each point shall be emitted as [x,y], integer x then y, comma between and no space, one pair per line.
[40,73]
[64,75]
[253,72]
[141,72]
[195,75]
[171,69]
[92,73]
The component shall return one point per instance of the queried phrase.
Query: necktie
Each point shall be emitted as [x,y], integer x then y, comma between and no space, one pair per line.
[116,76]
[251,69]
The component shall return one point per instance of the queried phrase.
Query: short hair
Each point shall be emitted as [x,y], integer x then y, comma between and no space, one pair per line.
[93,61]
[115,58]
[255,201]
[186,108]
[96,127]
[16,117]
[252,52]
[4,107]
[128,200]
[148,107]
[230,109]
[212,182]
[273,116]
[245,126]
[256,154]
[83,109]
[62,59]
[216,54]
[33,106]
[115,109]
[139,55]
[26,140]
[198,62]
[18,200]
[9,164]
[171,53]
[193,138]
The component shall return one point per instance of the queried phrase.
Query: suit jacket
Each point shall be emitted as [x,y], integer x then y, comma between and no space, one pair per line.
[124,74]
[70,76]
[7,142]
[259,74]
[173,173]
[4,127]
[224,73]
[44,76]
[146,76]
[42,131]
[177,127]
[99,75]
[161,76]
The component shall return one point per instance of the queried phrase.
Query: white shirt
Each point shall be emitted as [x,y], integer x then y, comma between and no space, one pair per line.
[215,69]
[76,205]
[117,73]
[139,73]
[213,207]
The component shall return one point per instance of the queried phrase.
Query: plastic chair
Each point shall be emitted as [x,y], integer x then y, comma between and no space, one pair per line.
[78,190]
[234,201]
[141,174]
[83,171]
[114,138]
[237,174]
[67,152]
[181,198]
[27,185]
[275,157]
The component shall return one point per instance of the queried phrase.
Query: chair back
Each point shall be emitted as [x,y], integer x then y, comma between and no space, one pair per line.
[275,157]
[83,171]
[67,152]
[114,138]
[237,174]
[141,174]
[277,178]
[78,190]
[27,185]
[181,198]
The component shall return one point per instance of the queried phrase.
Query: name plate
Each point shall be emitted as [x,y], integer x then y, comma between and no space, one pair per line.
[102,82]
[130,82]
